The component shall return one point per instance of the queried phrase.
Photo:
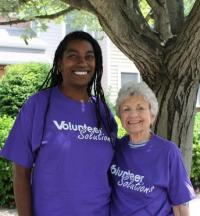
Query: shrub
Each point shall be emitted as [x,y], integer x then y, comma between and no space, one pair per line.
[121,130]
[6,188]
[195,171]
[18,83]
[110,104]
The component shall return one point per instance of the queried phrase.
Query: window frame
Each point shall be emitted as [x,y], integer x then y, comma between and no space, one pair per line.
[131,70]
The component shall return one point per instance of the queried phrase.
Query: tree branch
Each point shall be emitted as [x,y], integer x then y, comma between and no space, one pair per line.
[24,1]
[48,16]
[188,45]
[176,15]
[140,25]
[81,5]
[161,17]
[127,38]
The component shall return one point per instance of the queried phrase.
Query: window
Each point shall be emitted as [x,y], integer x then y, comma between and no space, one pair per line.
[127,76]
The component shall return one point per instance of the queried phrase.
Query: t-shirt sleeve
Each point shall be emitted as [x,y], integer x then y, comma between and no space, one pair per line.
[180,188]
[18,147]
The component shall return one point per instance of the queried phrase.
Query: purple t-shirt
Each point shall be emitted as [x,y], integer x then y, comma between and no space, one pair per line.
[72,159]
[148,180]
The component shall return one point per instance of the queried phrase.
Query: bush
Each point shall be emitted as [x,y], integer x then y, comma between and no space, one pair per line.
[18,83]
[121,130]
[195,171]
[6,188]
[110,104]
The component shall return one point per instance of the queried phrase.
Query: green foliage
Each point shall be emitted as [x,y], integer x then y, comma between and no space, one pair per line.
[188,4]
[36,8]
[29,9]
[42,11]
[83,20]
[110,104]
[18,83]
[195,172]
[6,189]
[8,6]
[42,7]
[147,11]
[121,130]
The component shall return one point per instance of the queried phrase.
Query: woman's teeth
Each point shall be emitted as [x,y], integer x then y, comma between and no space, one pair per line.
[80,72]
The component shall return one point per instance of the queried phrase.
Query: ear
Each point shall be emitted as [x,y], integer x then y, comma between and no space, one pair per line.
[153,118]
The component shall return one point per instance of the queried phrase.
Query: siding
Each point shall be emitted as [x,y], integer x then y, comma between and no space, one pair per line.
[118,63]
[104,47]
[14,50]
[52,38]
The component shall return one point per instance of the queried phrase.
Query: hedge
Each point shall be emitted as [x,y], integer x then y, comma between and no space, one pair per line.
[195,171]
[18,83]
[6,189]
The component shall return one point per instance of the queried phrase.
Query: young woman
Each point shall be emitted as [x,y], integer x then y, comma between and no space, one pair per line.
[62,141]
[149,177]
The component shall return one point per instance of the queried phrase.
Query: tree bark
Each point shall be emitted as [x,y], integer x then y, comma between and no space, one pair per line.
[175,120]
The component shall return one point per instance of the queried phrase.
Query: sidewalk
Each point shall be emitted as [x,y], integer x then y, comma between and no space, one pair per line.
[194,206]
[194,209]
[8,212]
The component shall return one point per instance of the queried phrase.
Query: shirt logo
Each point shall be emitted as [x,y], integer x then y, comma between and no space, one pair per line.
[129,180]
[84,131]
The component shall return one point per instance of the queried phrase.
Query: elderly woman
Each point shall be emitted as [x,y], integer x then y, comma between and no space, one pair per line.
[149,177]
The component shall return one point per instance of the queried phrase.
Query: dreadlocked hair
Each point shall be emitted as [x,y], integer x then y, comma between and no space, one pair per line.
[54,76]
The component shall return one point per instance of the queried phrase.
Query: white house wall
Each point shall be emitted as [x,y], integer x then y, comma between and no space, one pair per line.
[14,50]
[103,42]
[52,37]
[118,63]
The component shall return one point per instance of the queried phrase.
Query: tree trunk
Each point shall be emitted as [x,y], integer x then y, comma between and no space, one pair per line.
[177,101]
[176,86]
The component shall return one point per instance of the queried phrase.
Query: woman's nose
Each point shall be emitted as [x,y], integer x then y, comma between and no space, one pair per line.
[134,113]
[82,60]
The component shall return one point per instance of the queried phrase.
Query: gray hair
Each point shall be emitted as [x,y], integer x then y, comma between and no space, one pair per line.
[134,88]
